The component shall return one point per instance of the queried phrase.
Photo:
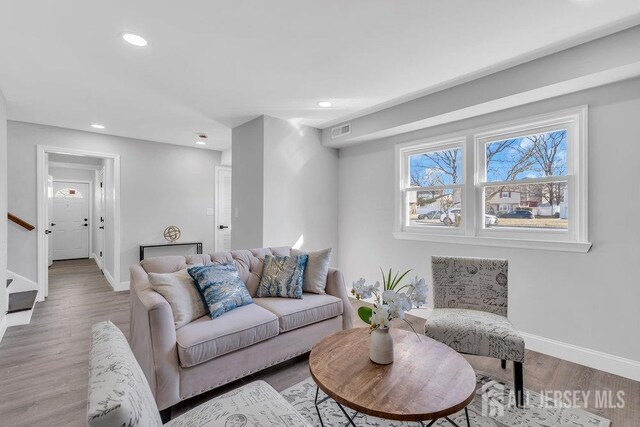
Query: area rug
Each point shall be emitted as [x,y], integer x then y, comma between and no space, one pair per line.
[493,406]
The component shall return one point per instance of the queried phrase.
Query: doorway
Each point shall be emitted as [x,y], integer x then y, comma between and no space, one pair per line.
[77,219]
[223,208]
[69,221]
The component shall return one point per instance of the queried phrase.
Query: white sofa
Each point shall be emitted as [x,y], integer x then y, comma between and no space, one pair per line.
[205,353]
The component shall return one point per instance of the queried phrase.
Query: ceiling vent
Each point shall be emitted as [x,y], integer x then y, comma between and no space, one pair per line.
[341,130]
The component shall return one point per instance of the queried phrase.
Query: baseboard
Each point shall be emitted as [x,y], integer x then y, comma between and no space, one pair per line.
[3,326]
[20,283]
[97,260]
[117,286]
[584,356]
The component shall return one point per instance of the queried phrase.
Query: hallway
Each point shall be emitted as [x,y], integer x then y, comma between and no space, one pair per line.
[44,366]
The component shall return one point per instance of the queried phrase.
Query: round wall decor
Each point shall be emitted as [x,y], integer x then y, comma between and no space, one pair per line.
[172,233]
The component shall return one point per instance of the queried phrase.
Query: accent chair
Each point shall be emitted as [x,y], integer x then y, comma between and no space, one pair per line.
[470,311]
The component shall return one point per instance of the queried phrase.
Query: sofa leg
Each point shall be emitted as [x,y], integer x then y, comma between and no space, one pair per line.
[165,415]
[504,364]
[518,382]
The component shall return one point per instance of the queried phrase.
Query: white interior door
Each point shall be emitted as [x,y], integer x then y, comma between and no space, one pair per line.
[101,218]
[71,216]
[50,222]
[223,209]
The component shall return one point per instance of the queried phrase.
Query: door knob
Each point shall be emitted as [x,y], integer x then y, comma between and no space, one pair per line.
[222,227]
[86,219]
[85,225]
[47,231]
[53,224]
[101,228]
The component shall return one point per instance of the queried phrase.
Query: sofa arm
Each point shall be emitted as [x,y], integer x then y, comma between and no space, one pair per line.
[153,339]
[336,287]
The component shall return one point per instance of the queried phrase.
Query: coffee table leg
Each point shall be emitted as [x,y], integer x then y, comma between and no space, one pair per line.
[324,399]
[466,413]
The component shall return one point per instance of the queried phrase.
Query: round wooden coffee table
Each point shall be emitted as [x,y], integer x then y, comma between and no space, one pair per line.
[427,380]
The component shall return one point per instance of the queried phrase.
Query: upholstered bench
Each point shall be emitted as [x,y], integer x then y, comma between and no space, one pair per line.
[119,394]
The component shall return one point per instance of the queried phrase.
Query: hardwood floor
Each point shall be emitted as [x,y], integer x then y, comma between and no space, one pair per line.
[44,365]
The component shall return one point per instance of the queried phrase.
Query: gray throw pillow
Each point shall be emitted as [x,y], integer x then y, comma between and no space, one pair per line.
[282,276]
[181,293]
[316,271]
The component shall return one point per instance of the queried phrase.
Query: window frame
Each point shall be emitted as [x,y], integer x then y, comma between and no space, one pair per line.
[420,147]
[472,230]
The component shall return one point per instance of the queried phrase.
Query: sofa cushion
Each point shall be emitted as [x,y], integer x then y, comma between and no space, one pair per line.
[181,293]
[163,264]
[254,404]
[220,288]
[282,276]
[205,339]
[316,270]
[296,313]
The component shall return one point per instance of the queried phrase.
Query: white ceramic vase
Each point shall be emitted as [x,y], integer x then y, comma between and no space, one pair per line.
[381,346]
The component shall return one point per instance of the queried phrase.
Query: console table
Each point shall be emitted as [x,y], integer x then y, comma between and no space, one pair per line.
[198,246]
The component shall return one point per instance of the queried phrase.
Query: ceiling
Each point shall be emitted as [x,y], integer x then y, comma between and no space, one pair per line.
[212,65]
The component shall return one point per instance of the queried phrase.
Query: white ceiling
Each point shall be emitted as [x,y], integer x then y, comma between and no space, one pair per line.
[212,65]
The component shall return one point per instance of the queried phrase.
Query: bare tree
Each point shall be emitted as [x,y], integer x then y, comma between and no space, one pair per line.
[547,154]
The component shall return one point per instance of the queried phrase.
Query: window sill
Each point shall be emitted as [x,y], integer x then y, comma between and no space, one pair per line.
[546,245]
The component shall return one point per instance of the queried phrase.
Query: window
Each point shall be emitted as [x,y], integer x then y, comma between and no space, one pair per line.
[433,186]
[69,193]
[526,188]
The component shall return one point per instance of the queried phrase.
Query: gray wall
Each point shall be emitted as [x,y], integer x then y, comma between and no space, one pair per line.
[247,184]
[300,187]
[161,185]
[3,208]
[616,50]
[284,186]
[589,300]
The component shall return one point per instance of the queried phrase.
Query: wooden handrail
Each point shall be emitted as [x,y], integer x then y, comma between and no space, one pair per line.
[20,222]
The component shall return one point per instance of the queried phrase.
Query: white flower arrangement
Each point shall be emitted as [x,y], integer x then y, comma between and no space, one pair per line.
[392,299]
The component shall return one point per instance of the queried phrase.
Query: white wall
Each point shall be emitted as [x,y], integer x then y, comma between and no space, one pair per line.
[71,174]
[161,185]
[3,212]
[589,300]
[247,184]
[300,187]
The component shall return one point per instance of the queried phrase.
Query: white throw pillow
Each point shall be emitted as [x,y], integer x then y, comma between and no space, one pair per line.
[316,270]
[181,293]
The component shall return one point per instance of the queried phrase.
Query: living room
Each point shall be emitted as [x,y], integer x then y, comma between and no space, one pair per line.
[470,145]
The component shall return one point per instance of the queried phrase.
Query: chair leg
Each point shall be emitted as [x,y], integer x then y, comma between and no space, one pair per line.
[518,382]
[504,364]
[165,415]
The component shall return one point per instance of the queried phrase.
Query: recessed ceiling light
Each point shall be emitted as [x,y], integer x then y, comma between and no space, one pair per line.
[134,39]
[325,104]
[200,142]
[97,126]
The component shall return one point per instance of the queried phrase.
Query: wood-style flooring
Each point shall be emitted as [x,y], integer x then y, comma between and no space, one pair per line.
[44,365]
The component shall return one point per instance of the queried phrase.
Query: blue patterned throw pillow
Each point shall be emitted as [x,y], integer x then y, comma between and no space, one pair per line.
[220,287]
[282,276]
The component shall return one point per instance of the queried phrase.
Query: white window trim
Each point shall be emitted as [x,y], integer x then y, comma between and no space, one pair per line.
[472,231]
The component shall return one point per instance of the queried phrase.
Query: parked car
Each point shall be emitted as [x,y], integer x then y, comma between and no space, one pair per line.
[451,217]
[430,215]
[489,220]
[518,214]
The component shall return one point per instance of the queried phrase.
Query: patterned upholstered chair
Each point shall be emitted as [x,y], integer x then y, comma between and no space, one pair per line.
[470,311]
[119,394]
